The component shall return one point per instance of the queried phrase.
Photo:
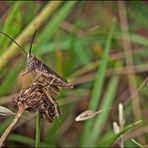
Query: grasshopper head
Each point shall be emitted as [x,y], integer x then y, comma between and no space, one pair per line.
[32,62]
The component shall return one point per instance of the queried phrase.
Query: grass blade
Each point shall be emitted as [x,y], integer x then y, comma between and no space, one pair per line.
[28,31]
[24,139]
[98,85]
[107,142]
[15,25]
[38,130]
[108,101]
[82,53]
[137,143]
[53,24]
[10,80]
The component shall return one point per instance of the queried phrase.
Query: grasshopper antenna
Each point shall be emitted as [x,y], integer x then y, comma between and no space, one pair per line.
[14,41]
[32,42]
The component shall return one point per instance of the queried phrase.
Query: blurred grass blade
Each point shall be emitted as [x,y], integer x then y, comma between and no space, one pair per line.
[108,141]
[10,80]
[5,111]
[137,143]
[38,130]
[138,39]
[53,24]
[82,53]
[107,101]
[98,83]
[5,124]
[134,38]
[24,140]
[46,48]
[15,25]
[28,31]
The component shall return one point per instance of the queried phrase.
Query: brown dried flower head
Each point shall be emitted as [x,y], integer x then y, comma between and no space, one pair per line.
[36,98]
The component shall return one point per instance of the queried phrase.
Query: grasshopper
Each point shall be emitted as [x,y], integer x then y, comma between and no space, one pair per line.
[41,70]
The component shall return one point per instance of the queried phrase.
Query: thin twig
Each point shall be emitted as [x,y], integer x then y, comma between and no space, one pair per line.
[8,130]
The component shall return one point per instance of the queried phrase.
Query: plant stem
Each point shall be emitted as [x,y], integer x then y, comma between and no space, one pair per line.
[38,133]
[9,128]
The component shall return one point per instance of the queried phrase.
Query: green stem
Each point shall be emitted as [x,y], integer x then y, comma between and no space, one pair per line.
[38,132]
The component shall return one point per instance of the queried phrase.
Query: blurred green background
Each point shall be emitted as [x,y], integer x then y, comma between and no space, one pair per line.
[101,47]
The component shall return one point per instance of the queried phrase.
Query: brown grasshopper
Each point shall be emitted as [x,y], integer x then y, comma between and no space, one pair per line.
[40,95]
[41,70]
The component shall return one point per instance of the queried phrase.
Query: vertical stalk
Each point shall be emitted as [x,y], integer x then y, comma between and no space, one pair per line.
[38,130]
[12,124]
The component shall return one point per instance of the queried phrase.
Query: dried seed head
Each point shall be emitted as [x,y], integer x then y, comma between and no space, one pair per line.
[89,114]
[121,115]
[85,115]
[116,127]
[5,111]
[36,98]
[49,111]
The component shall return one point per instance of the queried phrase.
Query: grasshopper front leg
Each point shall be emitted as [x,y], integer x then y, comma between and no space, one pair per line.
[25,73]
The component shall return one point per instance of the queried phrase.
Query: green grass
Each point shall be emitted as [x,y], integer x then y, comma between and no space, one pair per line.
[15,25]
[98,84]
[74,57]
[38,130]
